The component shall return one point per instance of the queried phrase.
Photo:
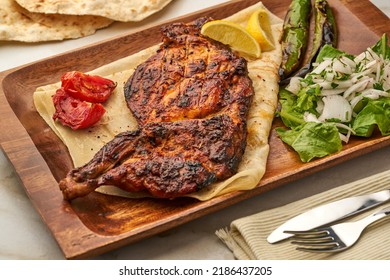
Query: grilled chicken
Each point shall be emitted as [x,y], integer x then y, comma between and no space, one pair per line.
[191,101]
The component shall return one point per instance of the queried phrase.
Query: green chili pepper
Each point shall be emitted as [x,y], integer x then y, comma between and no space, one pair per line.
[295,36]
[325,32]
[325,27]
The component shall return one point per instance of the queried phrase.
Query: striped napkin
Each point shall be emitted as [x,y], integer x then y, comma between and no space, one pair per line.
[247,237]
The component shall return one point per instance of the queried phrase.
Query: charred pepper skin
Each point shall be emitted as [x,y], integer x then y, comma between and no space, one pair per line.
[295,36]
[325,33]
[325,28]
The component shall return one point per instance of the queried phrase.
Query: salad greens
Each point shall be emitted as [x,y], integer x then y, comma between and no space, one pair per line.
[343,95]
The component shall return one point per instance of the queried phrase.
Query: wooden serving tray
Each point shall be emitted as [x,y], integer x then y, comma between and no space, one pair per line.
[97,223]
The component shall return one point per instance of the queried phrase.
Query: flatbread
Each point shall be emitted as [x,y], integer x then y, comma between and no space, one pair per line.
[119,10]
[18,24]
[263,72]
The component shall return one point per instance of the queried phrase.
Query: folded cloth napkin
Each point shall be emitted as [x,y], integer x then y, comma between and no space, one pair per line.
[247,237]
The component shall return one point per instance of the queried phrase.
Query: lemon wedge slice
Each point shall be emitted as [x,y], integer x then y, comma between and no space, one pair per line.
[260,28]
[232,34]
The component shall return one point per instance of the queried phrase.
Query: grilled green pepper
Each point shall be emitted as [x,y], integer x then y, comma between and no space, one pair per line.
[295,36]
[325,27]
[325,33]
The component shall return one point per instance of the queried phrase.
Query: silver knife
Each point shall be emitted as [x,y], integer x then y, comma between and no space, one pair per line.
[328,213]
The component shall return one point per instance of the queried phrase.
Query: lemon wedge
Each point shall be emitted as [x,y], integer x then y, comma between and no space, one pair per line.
[260,28]
[233,35]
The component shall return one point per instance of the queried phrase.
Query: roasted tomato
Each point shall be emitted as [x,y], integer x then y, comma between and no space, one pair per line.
[75,113]
[86,87]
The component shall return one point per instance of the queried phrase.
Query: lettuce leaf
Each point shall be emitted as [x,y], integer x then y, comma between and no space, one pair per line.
[375,114]
[289,114]
[382,47]
[307,99]
[312,140]
[328,51]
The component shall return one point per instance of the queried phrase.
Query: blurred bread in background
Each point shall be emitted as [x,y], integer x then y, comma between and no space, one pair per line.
[51,20]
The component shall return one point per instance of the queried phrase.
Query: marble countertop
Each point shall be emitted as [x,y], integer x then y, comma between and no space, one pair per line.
[24,235]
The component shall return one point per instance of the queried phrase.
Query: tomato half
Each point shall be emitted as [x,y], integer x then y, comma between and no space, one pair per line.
[75,113]
[86,87]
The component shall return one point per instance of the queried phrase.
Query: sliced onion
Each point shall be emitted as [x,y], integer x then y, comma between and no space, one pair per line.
[341,67]
[373,54]
[320,106]
[330,76]
[318,79]
[359,76]
[370,65]
[356,100]
[345,138]
[336,107]
[369,93]
[348,61]
[344,126]
[359,86]
[339,84]
[386,76]
[322,66]
[375,93]
[336,91]
[378,73]
[358,59]
[309,117]
[295,85]
[350,131]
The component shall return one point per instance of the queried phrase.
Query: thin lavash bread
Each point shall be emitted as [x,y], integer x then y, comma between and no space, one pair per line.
[18,24]
[118,10]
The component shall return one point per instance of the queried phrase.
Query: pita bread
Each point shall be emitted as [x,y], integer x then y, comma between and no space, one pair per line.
[18,24]
[119,10]
[263,72]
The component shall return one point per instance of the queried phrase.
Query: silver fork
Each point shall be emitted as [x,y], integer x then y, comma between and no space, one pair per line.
[337,237]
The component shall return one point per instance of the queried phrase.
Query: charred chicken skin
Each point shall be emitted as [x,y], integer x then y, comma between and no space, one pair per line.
[191,101]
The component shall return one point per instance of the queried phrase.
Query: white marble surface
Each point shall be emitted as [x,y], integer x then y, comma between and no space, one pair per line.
[23,235]
[383,5]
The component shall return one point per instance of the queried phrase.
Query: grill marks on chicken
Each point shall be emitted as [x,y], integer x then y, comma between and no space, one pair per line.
[190,77]
[191,101]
